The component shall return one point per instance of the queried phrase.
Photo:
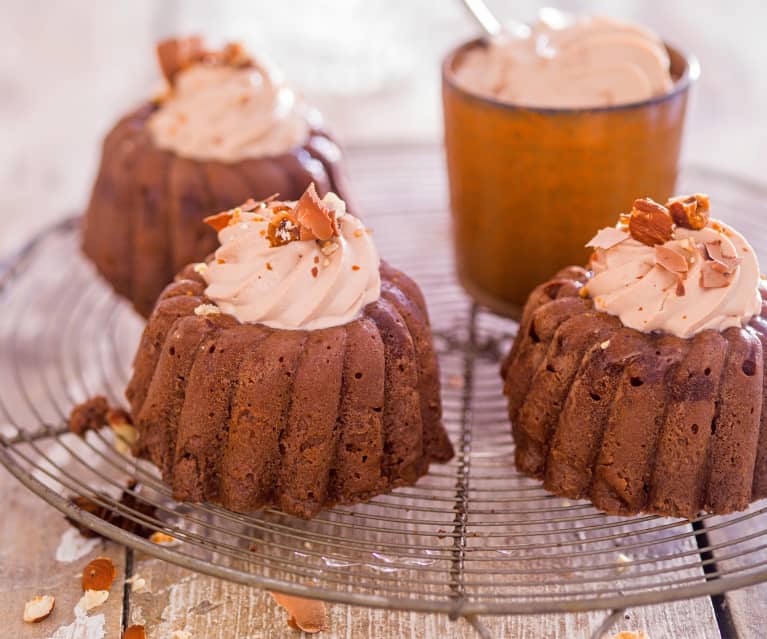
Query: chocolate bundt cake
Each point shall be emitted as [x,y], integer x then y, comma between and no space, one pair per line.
[292,369]
[226,129]
[639,383]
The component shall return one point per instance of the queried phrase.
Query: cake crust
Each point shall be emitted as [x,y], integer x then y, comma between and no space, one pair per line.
[249,416]
[633,421]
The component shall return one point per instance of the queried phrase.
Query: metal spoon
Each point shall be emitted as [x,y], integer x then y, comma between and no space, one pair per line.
[491,25]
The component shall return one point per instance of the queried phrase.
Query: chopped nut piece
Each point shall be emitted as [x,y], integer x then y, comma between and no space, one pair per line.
[135,631]
[200,268]
[623,560]
[99,574]
[137,584]
[176,54]
[583,292]
[650,222]
[316,220]
[315,271]
[628,634]
[328,248]
[126,434]
[690,211]
[234,54]
[605,345]
[92,599]
[39,608]
[219,221]
[355,267]
[283,229]
[162,539]
[90,415]
[207,309]
[308,615]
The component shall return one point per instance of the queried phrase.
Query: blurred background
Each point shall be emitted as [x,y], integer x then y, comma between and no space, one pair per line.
[69,69]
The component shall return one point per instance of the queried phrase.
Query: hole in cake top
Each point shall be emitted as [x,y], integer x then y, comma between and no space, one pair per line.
[357,375]
[749,368]
[707,372]
[636,382]
[595,397]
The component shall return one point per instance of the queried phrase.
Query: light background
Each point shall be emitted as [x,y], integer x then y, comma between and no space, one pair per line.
[68,69]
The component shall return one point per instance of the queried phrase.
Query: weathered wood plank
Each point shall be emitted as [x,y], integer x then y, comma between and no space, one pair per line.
[211,608]
[31,532]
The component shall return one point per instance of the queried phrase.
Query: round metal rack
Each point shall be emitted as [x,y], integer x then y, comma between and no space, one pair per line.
[471,538]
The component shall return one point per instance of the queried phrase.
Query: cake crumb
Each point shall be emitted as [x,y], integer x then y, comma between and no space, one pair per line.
[89,415]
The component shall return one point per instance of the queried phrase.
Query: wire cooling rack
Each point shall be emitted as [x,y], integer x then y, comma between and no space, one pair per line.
[471,538]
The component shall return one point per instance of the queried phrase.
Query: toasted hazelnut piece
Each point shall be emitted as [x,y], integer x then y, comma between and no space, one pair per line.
[317,221]
[308,615]
[99,574]
[92,599]
[234,54]
[175,54]
[39,608]
[135,631]
[161,538]
[126,434]
[219,221]
[283,229]
[690,211]
[650,222]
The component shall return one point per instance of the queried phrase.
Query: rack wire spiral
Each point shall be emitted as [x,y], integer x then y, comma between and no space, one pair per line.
[471,538]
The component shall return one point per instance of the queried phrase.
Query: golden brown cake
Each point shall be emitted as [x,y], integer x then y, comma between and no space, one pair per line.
[638,383]
[291,369]
[226,129]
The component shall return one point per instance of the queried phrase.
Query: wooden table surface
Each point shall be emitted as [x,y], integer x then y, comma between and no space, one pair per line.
[67,69]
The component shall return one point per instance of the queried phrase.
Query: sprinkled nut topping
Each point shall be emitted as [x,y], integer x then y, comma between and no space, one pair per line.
[650,222]
[690,211]
[283,229]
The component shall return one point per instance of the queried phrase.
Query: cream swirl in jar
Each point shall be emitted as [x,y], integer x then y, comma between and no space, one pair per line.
[264,273]
[578,62]
[698,279]
[229,113]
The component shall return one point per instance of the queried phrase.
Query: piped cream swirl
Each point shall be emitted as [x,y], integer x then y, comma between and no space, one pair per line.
[579,62]
[300,285]
[224,113]
[630,282]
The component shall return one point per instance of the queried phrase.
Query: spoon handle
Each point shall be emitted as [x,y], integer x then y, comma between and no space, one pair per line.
[482,14]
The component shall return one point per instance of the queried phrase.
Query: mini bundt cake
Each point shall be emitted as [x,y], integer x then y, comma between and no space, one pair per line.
[639,383]
[226,129]
[292,369]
